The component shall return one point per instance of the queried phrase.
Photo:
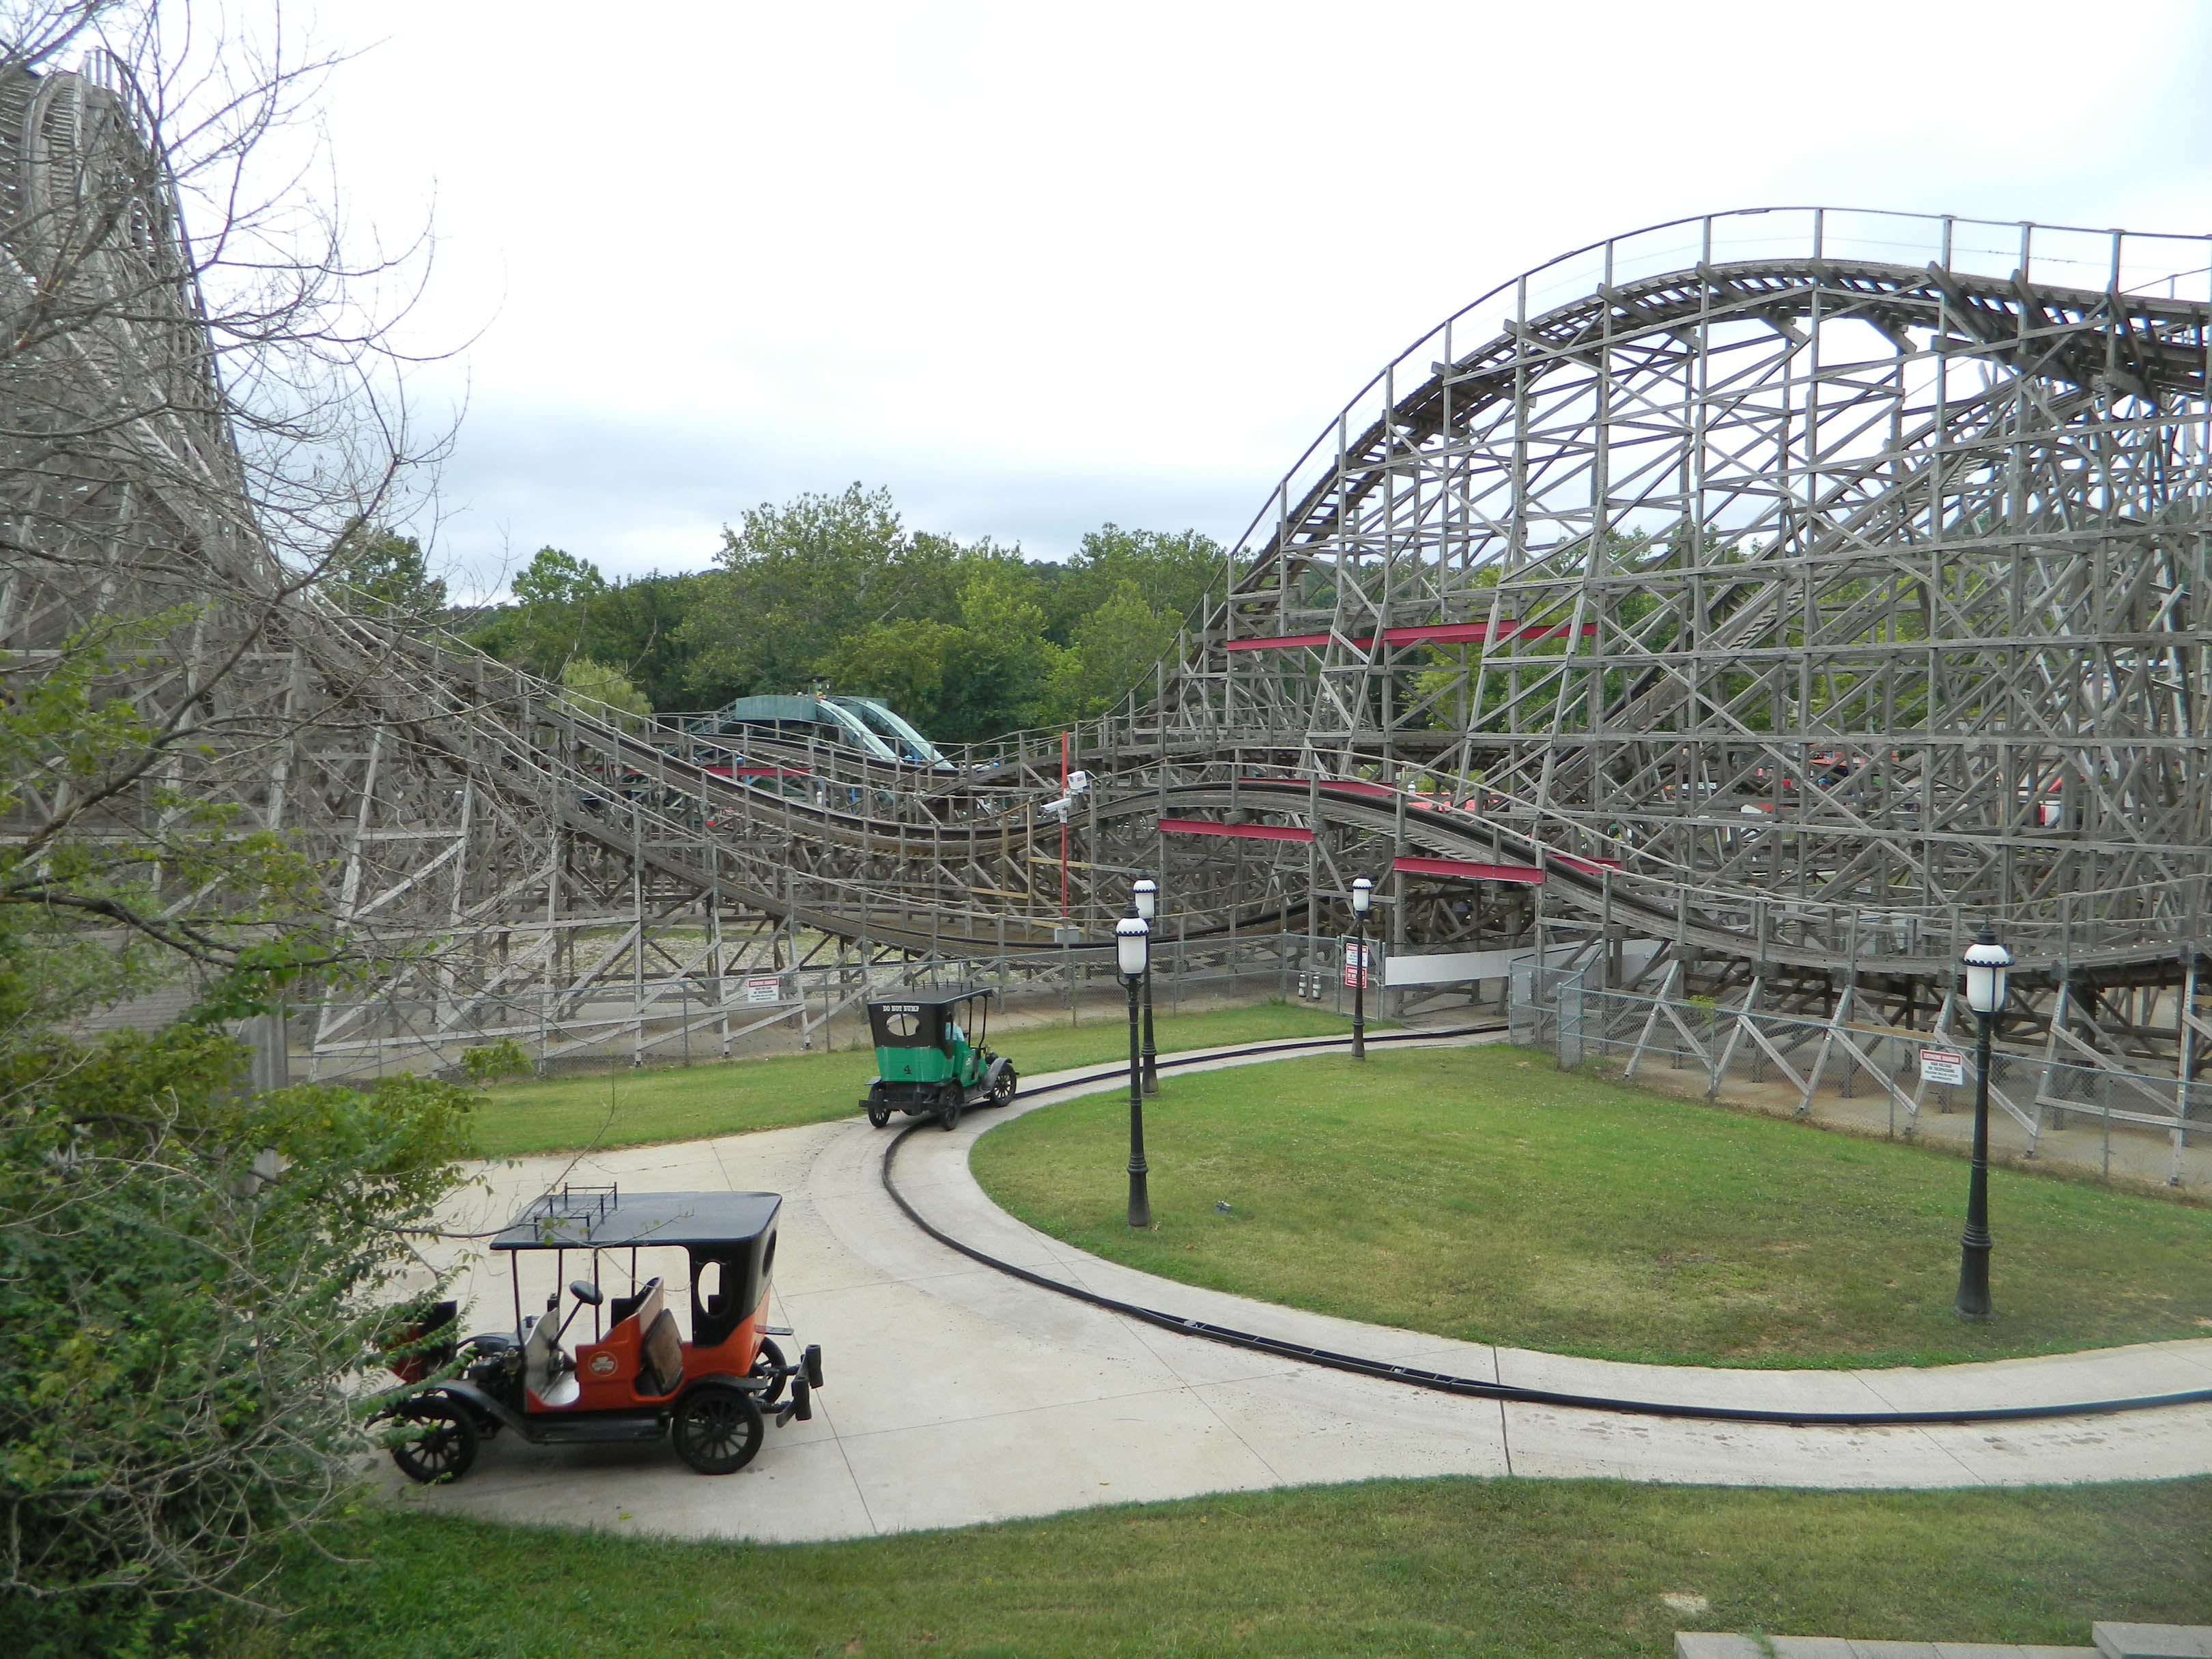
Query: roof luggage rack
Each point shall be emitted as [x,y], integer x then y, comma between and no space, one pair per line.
[589,1205]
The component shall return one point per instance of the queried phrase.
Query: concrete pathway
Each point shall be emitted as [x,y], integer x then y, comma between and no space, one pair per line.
[2113,1641]
[956,1394]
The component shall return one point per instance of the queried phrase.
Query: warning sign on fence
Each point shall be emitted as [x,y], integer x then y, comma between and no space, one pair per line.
[766,989]
[1942,1066]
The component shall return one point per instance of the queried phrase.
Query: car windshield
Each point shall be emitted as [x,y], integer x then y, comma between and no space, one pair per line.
[623,1275]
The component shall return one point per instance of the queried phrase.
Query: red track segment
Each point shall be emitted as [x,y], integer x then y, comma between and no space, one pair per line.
[1239,831]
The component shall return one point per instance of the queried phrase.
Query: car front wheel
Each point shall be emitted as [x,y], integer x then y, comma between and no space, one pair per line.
[441,1441]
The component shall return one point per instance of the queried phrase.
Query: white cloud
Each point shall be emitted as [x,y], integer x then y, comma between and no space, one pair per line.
[1036,266]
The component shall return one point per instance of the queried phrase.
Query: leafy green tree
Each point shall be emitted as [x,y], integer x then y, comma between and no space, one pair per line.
[1006,666]
[970,641]
[1113,653]
[834,590]
[1172,572]
[387,578]
[635,626]
[189,1272]
[556,581]
[552,618]
[591,686]
[990,673]
[549,620]
[564,608]
[796,581]
[905,663]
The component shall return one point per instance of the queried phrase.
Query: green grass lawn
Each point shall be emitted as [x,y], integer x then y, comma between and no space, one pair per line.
[634,1109]
[1479,1193]
[1521,1570]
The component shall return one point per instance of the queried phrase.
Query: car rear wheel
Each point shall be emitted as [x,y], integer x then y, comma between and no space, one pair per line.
[768,1365]
[441,1440]
[948,1111]
[880,1110]
[718,1430]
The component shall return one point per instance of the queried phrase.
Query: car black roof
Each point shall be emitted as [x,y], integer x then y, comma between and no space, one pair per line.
[921,997]
[601,1218]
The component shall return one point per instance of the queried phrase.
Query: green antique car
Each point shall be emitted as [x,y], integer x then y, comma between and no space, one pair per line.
[929,1063]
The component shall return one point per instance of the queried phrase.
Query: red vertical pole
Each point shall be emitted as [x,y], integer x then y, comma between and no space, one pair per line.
[1063,827]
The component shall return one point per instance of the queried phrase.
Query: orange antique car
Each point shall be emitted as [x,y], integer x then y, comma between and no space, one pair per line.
[685,1352]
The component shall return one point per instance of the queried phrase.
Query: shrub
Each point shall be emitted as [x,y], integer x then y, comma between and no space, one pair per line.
[189,1275]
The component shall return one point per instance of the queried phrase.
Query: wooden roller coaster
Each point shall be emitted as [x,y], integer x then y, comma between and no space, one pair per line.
[1797,589]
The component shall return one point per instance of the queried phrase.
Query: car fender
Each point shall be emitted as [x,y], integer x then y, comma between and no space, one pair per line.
[991,1072]
[751,1385]
[470,1394]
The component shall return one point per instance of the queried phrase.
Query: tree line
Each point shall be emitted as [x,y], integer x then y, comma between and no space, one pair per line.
[968,641]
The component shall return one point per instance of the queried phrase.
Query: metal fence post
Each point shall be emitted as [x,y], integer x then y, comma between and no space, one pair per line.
[1567,1032]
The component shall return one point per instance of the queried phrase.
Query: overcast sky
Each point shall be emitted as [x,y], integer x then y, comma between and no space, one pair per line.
[1034,267]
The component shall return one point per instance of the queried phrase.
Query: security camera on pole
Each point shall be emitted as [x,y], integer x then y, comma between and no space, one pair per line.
[1145,896]
[1986,962]
[1132,955]
[1363,895]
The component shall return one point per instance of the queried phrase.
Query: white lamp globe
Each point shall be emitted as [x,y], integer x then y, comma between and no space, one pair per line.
[1363,895]
[1986,962]
[1131,942]
[1147,895]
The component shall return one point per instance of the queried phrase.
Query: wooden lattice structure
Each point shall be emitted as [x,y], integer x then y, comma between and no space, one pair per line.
[1839,580]
[1797,589]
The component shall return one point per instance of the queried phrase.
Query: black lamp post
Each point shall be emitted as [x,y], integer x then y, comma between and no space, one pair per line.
[1145,896]
[1986,962]
[1363,895]
[1132,954]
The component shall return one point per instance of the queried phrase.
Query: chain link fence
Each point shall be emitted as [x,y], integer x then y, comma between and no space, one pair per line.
[700,1018]
[1842,1058]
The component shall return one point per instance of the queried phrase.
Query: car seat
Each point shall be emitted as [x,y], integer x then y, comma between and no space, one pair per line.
[660,1358]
